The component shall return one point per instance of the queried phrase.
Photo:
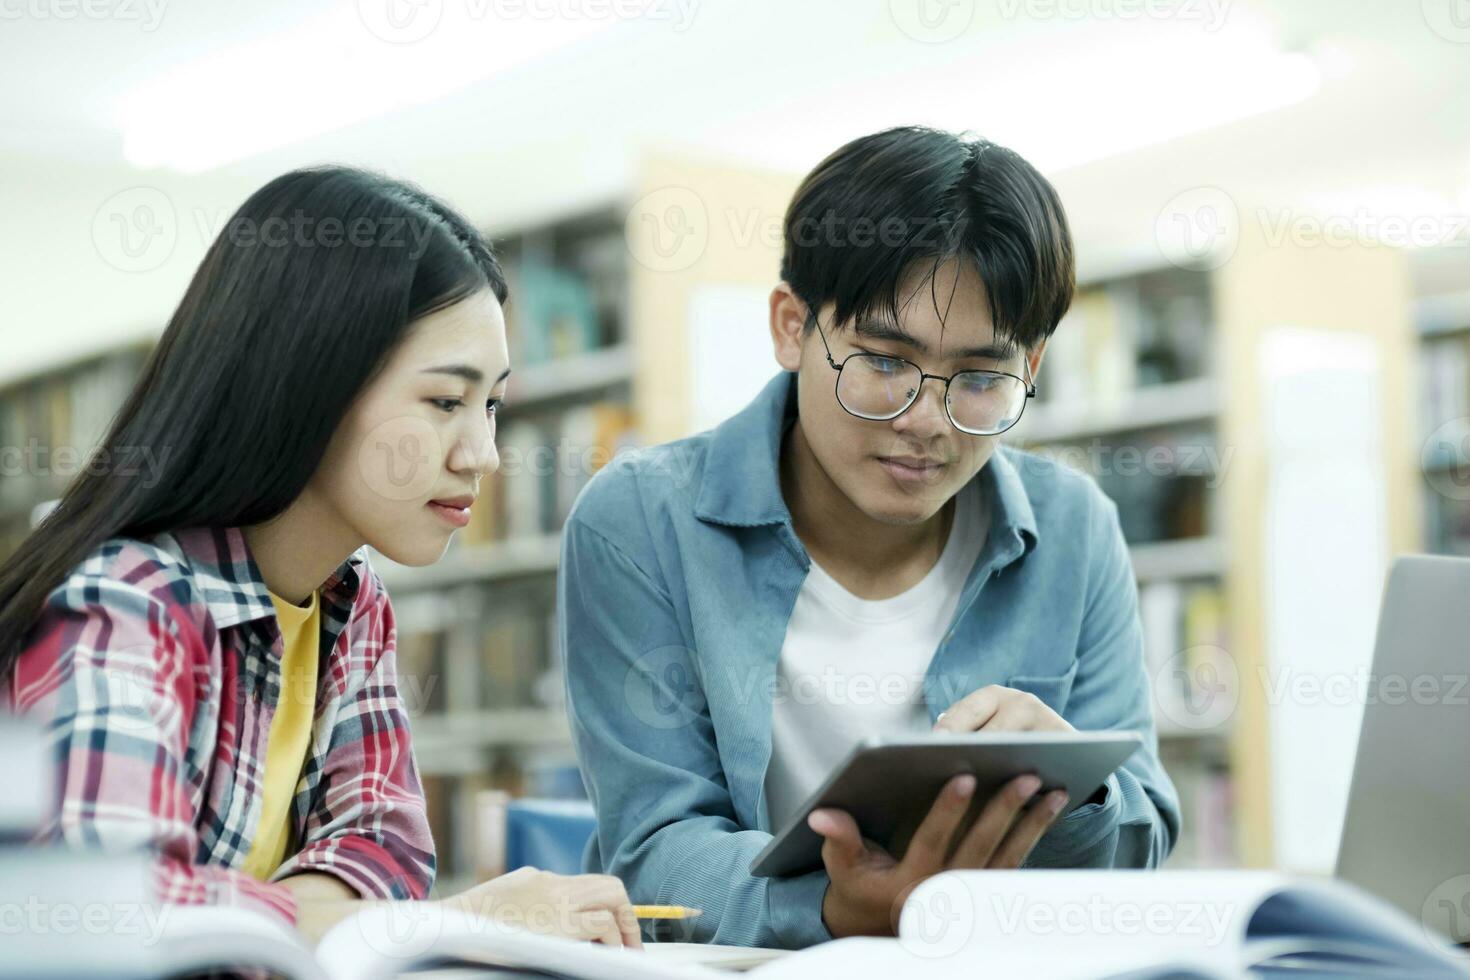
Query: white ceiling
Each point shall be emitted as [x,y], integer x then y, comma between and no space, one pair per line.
[773,81]
[770,82]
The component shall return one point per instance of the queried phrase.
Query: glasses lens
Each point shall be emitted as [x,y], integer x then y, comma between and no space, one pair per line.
[983,403]
[876,387]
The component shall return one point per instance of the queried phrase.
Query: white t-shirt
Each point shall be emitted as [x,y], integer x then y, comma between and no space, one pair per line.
[854,667]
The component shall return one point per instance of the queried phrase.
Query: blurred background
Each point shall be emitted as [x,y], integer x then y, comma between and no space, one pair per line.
[1267,365]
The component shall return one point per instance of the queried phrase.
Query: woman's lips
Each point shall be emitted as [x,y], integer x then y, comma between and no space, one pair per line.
[458,516]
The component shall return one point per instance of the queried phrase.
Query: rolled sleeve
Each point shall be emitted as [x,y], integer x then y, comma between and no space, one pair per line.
[368,825]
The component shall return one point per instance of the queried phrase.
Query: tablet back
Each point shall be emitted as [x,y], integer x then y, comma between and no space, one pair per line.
[888,785]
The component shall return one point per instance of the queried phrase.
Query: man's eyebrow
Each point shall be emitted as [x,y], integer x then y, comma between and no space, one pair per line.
[471,374]
[877,330]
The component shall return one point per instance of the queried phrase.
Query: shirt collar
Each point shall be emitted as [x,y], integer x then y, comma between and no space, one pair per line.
[741,485]
[231,583]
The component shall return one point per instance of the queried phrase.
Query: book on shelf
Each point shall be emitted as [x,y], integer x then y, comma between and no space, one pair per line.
[514,655]
[1183,639]
[591,436]
[55,422]
[1173,326]
[1128,334]
[555,315]
[440,794]
[422,666]
[1161,480]
[546,460]
[1444,384]
[1206,803]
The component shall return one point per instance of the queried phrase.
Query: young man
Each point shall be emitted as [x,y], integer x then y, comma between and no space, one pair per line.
[856,554]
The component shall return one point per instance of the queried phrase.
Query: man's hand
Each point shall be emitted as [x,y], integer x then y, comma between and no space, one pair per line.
[869,886]
[1000,709]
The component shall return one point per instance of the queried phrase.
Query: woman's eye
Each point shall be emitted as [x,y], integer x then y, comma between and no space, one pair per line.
[446,404]
[493,405]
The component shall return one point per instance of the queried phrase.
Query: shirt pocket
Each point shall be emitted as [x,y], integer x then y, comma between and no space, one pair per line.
[1052,689]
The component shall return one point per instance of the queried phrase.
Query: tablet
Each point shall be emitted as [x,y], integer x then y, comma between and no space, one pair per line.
[889,784]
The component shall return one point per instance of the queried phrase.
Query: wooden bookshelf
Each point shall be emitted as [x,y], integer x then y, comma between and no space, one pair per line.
[579,376]
[1336,296]
[66,408]
[1443,381]
[1108,387]
[1174,403]
[492,718]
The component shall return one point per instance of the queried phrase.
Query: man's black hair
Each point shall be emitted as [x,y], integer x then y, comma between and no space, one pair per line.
[913,198]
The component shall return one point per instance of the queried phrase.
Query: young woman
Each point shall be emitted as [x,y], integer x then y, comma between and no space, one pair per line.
[210,651]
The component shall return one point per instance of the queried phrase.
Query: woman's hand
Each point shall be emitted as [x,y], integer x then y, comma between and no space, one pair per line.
[586,907]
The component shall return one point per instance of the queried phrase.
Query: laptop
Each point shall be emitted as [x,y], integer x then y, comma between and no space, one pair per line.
[1406,837]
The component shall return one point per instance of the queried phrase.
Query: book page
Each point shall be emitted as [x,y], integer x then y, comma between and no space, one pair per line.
[196,938]
[391,939]
[894,959]
[1102,912]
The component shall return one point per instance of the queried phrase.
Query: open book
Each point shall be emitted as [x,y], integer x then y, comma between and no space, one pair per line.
[1066,925]
[1218,923]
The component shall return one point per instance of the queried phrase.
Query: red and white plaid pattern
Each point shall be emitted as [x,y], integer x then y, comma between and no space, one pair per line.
[155,667]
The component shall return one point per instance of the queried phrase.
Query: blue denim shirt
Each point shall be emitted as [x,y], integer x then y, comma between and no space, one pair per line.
[679,572]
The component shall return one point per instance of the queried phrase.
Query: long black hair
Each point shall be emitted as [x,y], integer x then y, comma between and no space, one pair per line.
[295,308]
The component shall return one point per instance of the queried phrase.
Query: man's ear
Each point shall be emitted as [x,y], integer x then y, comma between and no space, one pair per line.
[1034,355]
[788,318]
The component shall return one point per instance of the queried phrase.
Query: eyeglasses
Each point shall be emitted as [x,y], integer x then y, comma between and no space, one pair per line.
[879,388]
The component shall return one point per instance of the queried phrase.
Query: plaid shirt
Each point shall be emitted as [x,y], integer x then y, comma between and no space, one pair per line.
[157,667]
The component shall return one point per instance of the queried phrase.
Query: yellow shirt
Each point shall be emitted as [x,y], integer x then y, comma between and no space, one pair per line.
[290,734]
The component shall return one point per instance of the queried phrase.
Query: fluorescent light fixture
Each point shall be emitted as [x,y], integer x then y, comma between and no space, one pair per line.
[1089,101]
[1402,215]
[351,63]
[1060,97]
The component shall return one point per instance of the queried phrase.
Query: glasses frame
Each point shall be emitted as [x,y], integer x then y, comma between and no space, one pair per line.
[1029,382]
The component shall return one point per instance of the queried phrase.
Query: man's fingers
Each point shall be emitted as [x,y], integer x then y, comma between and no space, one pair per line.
[1028,830]
[972,712]
[985,837]
[843,843]
[931,841]
[1022,712]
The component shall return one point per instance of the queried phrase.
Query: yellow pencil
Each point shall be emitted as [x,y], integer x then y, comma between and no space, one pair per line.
[665,912]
